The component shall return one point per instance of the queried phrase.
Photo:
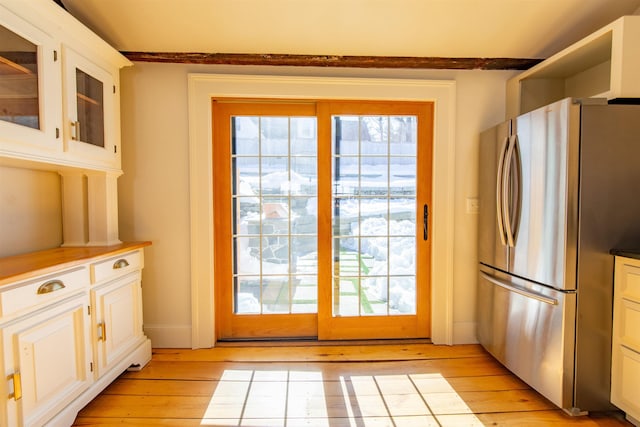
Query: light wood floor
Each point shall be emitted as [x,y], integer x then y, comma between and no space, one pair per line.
[305,384]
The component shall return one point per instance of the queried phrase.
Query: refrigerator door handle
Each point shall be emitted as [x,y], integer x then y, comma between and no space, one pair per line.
[516,192]
[523,292]
[500,191]
[508,191]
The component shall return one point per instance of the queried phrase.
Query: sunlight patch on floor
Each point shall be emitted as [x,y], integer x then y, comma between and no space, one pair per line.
[267,398]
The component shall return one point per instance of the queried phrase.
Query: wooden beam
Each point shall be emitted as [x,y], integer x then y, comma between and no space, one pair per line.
[408,62]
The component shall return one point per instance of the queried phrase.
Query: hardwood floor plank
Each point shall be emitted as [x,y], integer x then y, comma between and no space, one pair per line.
[129,421]
[322,353]
[472,383]
[119,406]
[486,401]
[529,419]
[125,386]
[463,367]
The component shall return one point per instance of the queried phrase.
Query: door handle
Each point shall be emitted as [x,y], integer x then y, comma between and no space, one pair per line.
[500,191]
[525,293]
[102,331]
[50,286]
[425,222]
[508,191]
[17,386]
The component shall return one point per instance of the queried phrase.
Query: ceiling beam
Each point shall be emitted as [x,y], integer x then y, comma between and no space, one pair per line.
[408,62]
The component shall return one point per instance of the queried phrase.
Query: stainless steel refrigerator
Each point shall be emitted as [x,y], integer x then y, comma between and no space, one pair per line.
[559,188]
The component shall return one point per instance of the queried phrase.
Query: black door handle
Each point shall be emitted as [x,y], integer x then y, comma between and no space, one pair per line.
[425,222]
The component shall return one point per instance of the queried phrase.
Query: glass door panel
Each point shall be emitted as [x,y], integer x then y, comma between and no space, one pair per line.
[275,221]
[374,215]
[378,256]
[271,288]
[90,109]
[19,94]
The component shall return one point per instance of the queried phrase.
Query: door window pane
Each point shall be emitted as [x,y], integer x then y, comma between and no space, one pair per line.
[275,214]
[374,215]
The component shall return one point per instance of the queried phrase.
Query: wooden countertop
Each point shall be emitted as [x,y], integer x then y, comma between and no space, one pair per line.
[25,266]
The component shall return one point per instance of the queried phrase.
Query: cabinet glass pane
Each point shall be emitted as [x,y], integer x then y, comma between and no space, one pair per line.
[19,97]
[89,93]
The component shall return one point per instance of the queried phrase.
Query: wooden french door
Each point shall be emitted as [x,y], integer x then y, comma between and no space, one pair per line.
[321,219]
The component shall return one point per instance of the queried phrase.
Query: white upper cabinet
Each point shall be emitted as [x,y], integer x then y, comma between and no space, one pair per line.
[605,64]
[30,114]
[90,111]
[59,94]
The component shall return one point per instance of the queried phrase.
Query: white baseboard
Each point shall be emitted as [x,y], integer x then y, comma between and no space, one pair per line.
[464,333]
[168,336]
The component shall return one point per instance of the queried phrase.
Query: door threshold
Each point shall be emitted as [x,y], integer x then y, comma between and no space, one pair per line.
[284,342]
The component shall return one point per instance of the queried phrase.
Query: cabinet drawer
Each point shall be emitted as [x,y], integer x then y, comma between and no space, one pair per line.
[631,283]
[114,267]
[44,290]
[626,388]
[629,331]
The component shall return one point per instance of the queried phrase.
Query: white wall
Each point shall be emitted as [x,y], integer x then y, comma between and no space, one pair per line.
[30,210]
[154,191]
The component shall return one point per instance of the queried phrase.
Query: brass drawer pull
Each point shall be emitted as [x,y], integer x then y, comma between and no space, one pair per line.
[102,332]
[17,386]
[121,263]
[50,286]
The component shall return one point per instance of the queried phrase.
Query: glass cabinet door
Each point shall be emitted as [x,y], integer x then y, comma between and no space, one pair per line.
[89,91]
[19,95]
[30,114]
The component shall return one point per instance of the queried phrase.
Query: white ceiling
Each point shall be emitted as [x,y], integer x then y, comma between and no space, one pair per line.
[423,28]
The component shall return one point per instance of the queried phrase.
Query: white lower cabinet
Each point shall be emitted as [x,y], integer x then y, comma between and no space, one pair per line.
[117,320]
[625,357]
[47,361]
[67,334]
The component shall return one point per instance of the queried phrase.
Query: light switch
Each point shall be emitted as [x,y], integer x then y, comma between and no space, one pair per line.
[473,205]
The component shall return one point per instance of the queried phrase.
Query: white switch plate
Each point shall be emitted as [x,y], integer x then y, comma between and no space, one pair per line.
[473,205]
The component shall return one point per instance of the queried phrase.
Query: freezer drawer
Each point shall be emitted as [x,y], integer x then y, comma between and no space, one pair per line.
[530,329]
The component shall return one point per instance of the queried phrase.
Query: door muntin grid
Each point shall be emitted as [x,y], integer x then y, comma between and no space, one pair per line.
[374,166]
[274,202]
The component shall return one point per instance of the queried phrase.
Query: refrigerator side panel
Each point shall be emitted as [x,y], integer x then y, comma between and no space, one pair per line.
[491,249]
[544,248]
[529,328]
[609,218]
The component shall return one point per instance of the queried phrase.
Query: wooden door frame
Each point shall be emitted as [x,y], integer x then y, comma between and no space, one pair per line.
[324,325]
[378,327]
[202,87]
[231,325]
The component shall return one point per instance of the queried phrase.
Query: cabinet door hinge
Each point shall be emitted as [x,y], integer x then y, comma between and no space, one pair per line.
[55,55]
